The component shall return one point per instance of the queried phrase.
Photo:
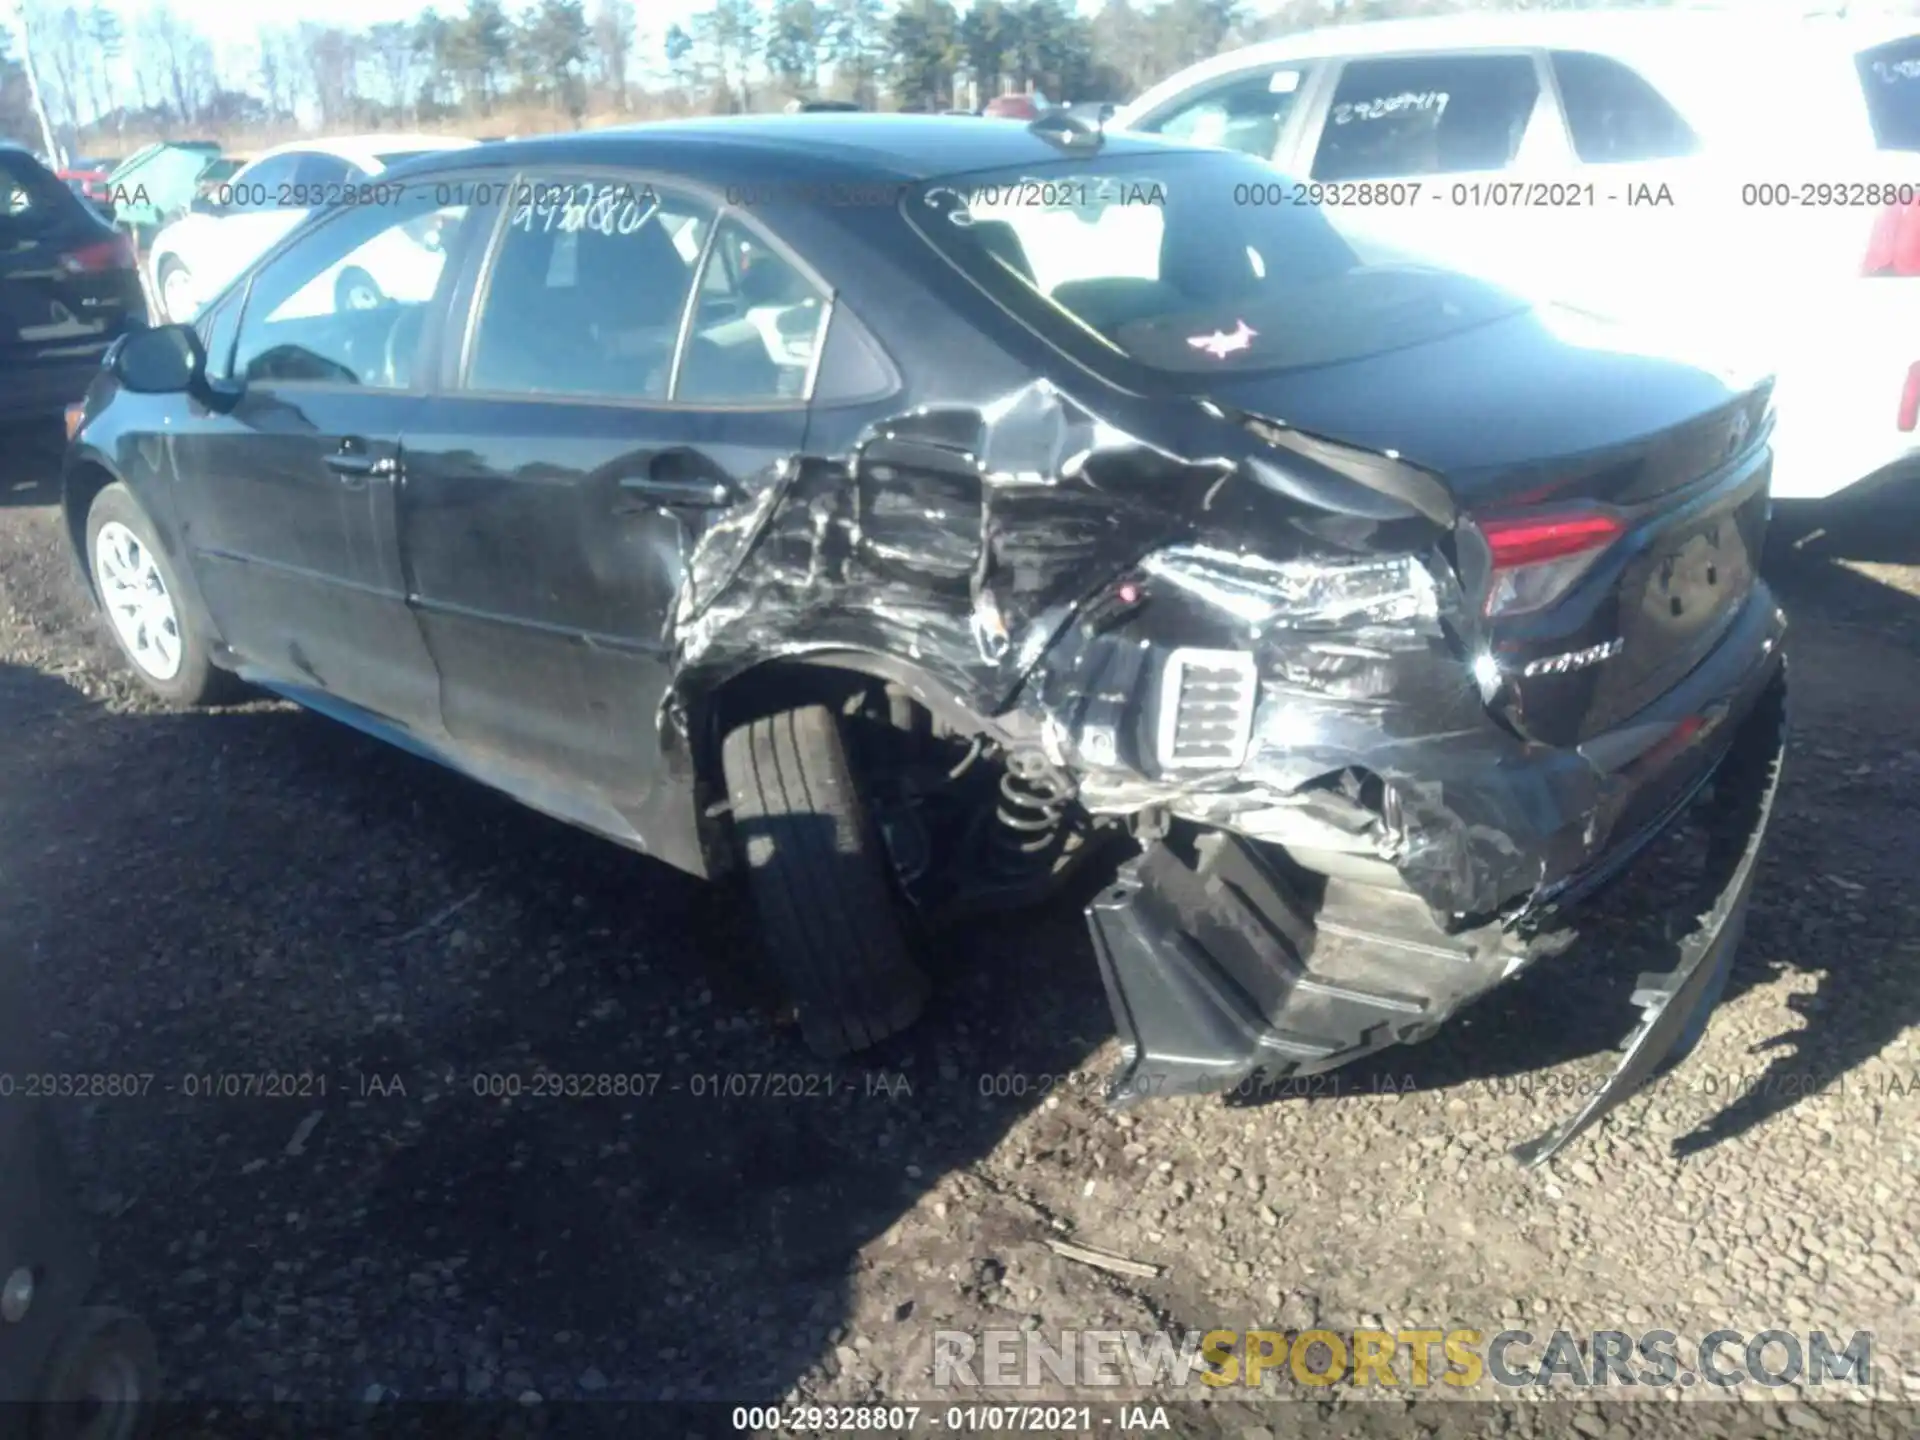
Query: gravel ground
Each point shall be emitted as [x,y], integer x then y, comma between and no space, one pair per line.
[261,891]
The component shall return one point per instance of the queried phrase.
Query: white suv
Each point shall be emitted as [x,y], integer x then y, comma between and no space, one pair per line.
[1744,175]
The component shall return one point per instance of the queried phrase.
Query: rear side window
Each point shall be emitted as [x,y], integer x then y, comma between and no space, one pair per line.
[1427,115]
[587,289]
[1247,114]
[1890,76]
[754,334]
[1614,115]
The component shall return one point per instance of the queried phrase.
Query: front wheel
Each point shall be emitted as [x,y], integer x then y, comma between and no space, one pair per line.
[141,601]
[828,910]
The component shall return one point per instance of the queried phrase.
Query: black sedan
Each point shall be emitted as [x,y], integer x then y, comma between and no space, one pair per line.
[904,512]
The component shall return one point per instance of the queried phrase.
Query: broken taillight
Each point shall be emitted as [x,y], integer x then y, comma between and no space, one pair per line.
[1894,246]
[1537,558]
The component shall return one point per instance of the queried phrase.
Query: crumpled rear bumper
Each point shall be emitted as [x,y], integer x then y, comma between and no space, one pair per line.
[1225,973]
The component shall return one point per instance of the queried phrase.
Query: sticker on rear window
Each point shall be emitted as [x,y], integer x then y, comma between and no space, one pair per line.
[1222,343]
[1419,101]
[1284,82]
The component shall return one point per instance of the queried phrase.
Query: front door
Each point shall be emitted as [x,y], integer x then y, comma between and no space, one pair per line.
[557,488]
[288,495]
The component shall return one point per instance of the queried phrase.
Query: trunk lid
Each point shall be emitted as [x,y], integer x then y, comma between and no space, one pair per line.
[1540,423]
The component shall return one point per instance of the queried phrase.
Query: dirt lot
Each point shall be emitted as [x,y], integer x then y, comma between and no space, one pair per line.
[260,890]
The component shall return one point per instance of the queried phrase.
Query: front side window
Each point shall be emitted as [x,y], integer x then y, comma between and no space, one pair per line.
[1614,115]
[1190,266]
[344,303]
[260,185]
[586,290]
[1426,115]
[1247,114]
[317,169]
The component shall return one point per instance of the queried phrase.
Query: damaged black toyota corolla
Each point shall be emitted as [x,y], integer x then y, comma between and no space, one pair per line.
[903,511]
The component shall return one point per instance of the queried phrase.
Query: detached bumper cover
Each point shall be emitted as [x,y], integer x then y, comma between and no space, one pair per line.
[1223,973]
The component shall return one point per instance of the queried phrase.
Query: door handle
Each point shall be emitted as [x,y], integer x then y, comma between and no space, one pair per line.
[352,462]
[679,477]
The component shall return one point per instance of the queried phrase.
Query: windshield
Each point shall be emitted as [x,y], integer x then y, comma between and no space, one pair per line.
[1191,263]
[1890,76]
[399,157]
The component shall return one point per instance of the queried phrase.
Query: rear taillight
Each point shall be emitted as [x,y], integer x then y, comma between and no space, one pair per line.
[1910,399]
[1894,246]
[114,254]
[1537,558]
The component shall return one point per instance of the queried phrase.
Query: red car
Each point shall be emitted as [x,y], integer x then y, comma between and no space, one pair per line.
[87,179]
[1015,107]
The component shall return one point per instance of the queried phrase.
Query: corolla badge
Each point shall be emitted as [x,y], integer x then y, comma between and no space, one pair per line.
[1574,659]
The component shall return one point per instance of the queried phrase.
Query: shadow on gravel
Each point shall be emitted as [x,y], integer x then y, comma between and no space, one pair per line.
[30,456]
[543,1152]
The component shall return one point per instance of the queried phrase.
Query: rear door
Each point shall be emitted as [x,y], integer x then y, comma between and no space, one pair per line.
[634,366]
[67,286]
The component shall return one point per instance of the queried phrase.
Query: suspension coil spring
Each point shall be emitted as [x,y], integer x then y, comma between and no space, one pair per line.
[1031,810]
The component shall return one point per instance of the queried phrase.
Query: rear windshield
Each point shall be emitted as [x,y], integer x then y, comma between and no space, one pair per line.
[1191,263]
[31,198]
[1890,76]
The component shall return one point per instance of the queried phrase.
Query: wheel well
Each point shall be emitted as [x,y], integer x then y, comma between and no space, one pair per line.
[835,679]
[832,679]
[83,485]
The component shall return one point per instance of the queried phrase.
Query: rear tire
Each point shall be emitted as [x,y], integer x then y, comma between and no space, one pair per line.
[157,631]
[828,911]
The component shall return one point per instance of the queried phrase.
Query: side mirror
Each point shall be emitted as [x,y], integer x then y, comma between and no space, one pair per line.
[166,360]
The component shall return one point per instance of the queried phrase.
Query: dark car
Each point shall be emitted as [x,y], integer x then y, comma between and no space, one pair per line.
[68,288]
[904,511]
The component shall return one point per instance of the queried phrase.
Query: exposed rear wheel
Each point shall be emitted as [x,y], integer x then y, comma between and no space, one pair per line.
[819,879]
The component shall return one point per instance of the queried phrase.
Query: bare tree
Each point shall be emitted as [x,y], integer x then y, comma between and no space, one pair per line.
[613,39]
[38,101]
[391,44]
